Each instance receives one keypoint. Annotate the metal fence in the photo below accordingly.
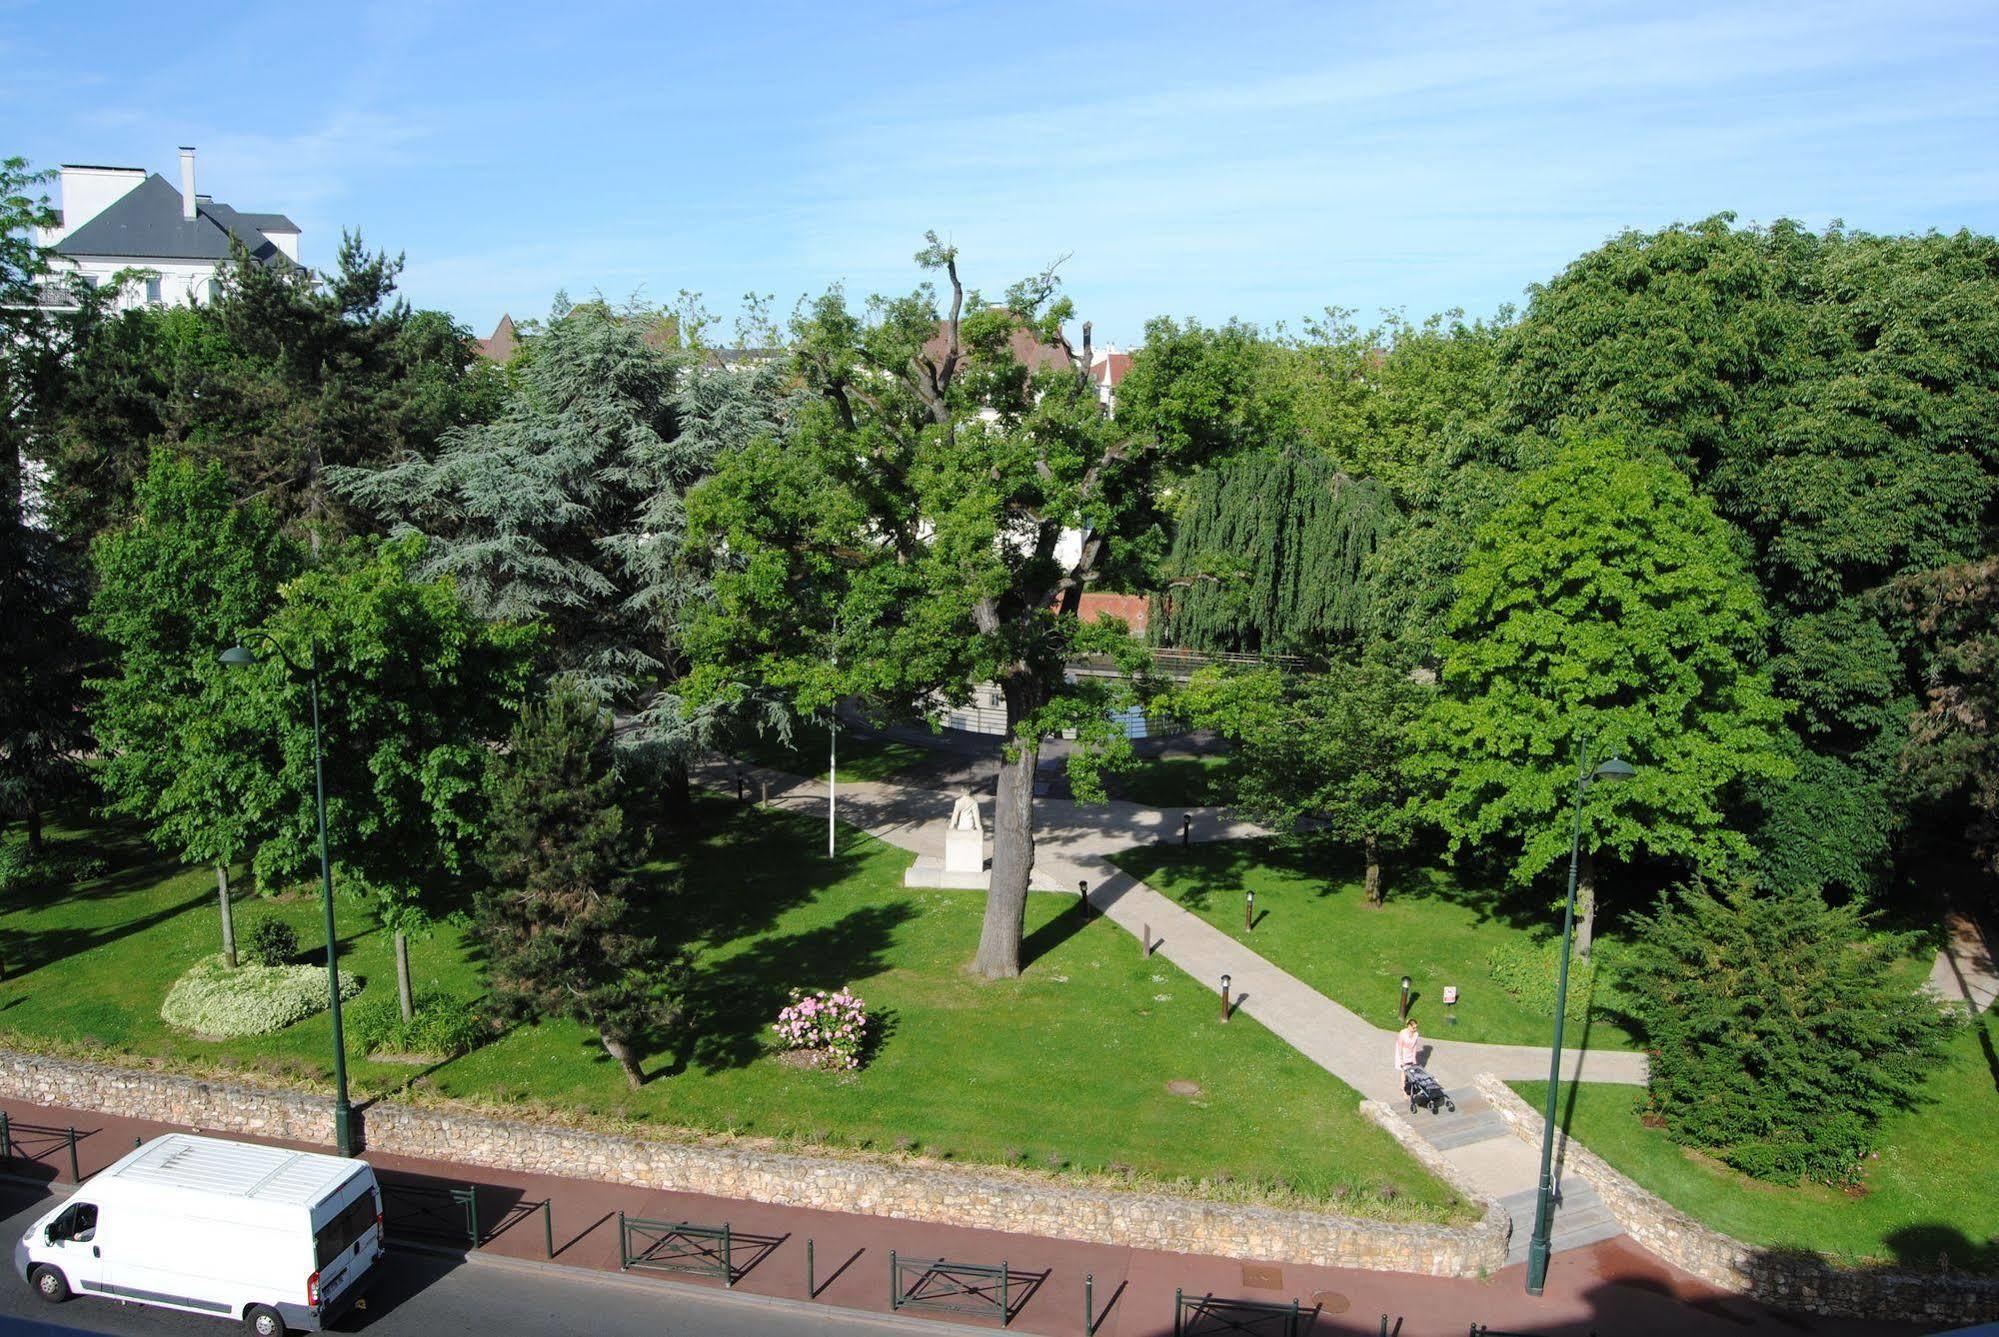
(940, 1285)
(431, 1211)
(677, 1246)
(38, 1144)
(1197, 1314)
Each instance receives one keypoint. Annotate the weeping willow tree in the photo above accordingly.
(1270, 557)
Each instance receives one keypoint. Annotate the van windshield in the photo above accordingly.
(356, 1219)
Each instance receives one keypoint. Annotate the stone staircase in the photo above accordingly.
(1580, 1215)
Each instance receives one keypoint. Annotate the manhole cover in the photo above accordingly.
(1263, 1276)
(1180, 1086)
(1331, 1302)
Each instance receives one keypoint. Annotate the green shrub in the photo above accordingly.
(1529, 971)
(441, 1026)
(271, 942)
(1780, 1033)
(20, 870)
(218, 1003)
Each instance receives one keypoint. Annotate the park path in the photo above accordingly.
(1073, 845)
(1965, 969)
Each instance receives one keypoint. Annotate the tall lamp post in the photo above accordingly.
(1615, 769)
(343, 1134)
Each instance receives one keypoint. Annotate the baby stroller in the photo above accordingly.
(1425, 1090)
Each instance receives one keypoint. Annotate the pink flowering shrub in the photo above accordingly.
(833, 1027)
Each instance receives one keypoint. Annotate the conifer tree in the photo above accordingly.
(558, 925)
(1779, 1030)
(567, 509)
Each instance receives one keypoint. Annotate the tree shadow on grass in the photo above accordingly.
(1207, 874)
(732, 1003)
(739, 869)
(28, 950)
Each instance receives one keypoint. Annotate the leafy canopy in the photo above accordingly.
(1602, 601)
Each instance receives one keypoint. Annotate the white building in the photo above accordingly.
(122, 218)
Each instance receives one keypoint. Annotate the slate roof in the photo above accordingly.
(146, 224)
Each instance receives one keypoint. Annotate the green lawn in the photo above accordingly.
(862, 756)
(1313, 920)
(1066, 1068)
(1930, 1191)
(1177, 782)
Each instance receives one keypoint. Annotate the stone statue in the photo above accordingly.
(965, 838)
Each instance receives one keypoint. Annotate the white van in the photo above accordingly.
(278, 1239)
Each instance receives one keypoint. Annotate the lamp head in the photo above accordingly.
(1406, 981)
(1225, 981)
(1616, 768)
(237, 655)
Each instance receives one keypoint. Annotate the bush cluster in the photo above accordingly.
(833, 1027)
(20, 869)
(271, 942)
(1528, 972)
(440, 1026)
(218, 1003)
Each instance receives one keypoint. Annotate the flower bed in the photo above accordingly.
(218, 1003)
(831, 1028)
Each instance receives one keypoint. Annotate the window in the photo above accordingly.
(213, 290)
(77, 1222)
(356, 1219)
(153, 290)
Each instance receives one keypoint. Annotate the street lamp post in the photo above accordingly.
(1538, 1247)
(343, 1133)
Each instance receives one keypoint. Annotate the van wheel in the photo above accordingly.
(49, 1284)
(264, 1321)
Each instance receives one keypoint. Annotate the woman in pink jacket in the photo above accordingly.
(1408, 1047)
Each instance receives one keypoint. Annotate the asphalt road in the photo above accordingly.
(418, 1295)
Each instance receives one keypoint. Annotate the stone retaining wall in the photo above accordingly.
(910, 1190)
(1788, 1278)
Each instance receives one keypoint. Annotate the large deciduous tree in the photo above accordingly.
(416, 689)
(176, 584)
(560, 930)
(1271, 556)
(1326, 751)
(1603, 602)
(948, 493)
(1835, 395)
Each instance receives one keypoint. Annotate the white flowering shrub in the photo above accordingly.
(218, 1003)
(831, 1027)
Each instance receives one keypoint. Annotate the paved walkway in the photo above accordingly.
(1073, 842)
(1965, 969)
(1610, 1287)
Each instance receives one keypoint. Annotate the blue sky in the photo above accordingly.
(1207, 159)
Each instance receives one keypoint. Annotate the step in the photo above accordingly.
(1462, 1130)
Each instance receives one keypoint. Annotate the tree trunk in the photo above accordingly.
(1372, 846)
(36, 848)
(676, 799)
(228, 915)
(626, 1058)
(1013, 841)
(405, 996)
(1585, 903)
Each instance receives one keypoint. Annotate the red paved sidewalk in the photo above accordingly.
(1609, 1288)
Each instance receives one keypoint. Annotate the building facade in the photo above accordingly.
(172, 241)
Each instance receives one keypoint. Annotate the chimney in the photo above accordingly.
(187, 181)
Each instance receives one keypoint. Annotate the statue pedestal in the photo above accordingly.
(964, 851)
